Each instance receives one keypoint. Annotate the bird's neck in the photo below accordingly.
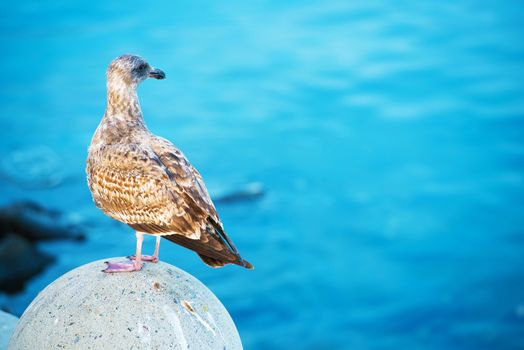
(122, 103)
(123, 118)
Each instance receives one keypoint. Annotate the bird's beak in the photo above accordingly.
(157, 74)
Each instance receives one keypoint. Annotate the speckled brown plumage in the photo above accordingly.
(144, 181)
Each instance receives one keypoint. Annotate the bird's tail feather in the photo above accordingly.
(211, 261)
(219, 263)
(214, 247)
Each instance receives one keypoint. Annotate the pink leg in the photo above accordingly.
(152, 258)
(128, 266)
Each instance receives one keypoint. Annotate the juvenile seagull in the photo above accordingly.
(145, 182)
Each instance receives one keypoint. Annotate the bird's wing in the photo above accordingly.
(214, 246)
(130, 183)
(187, 180)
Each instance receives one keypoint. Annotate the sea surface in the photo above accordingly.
(388, 137)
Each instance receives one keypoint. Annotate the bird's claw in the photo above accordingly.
(122, 266)
(149, 258)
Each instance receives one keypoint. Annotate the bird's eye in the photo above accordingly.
(142, 66)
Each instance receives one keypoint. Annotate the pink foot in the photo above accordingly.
(150, 258)
(122, 266)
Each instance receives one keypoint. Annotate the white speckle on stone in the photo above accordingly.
(87, 308)
(144, 334)
(192, 312)
(214, 324)
(177, 328)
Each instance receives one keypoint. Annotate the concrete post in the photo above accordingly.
(160, 307)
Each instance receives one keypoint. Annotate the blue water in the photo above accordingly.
(389, 137)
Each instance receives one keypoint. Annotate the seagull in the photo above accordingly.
(146, 182)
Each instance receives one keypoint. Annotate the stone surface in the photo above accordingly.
(160, 307)
(7, 325)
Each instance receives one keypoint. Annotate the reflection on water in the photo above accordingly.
(388, 138)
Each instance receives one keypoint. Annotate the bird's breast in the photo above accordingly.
(127, 186)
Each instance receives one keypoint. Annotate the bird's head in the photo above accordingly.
(131, 70)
